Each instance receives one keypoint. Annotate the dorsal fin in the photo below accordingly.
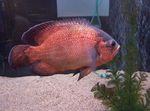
(72, 21)
(31, 36)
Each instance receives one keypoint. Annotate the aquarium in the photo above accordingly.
(74, 55)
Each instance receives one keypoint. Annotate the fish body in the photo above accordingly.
(56, 47)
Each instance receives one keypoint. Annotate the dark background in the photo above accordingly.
(16, 16)
(127, 21)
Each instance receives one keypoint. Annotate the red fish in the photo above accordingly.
(66, 45)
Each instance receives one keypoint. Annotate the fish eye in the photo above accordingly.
(113, 43)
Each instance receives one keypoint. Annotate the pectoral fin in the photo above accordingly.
(92, 65)
(76, 72)
(84, 72)
(94, 59)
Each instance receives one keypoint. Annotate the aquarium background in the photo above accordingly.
(128, 22)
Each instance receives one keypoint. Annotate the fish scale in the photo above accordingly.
(66, 45)
(61, 52)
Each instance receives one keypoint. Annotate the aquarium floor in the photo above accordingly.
(51, 93)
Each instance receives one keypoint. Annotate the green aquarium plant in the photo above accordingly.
(125, 90)
(124, 94)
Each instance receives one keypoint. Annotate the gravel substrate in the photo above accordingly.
(51, 93)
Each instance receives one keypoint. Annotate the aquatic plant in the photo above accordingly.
(124, 94)
(125, 90)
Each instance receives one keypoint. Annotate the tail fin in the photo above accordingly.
(17, 56)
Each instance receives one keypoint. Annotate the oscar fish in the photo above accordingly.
(54, 47)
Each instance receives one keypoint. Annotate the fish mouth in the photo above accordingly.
(116, 50)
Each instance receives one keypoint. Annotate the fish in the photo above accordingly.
(54, 47)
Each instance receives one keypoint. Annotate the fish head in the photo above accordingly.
(107, 47)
